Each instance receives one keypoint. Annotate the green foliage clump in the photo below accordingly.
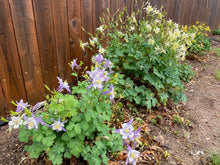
(216, 31)
(147, 54)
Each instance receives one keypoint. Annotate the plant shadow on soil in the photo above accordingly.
(188, 138)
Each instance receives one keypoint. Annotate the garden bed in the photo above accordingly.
(188, 141)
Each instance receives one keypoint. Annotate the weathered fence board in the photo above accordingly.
(59, 10)
(38, 38)
(46, 41)
(10, 70)
(3, 111)
(24, 27)
(74, 26)
(87, 24)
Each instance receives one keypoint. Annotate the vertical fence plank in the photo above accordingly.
(59, 10)
(105, 5)
(96, 13)
(3, 112)
(129, 6)
(216, 21)
(113, 7)
(12, 84)
(171, 9)
(218, 16)
(75, 31)
(185, 12)
(105, 12)
(87, 24)
(46, 41)
(24, 26)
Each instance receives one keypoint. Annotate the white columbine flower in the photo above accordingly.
(95, 39)
(82, 45)
(169, 22)
(101, 50)
(132, 156)
(157, 21)
(176, 25)
(151, 41)
(177, 32)
(148, 27)
(100, 28)
(91, 42)
(132, 28)
(157, 30)
(15, 122)
(148, 8)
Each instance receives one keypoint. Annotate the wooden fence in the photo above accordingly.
(39, 37)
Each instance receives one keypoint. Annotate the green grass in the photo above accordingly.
(217, 74)
(215, 159)
(217, 51)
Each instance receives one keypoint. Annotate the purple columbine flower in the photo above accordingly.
(58, 125)
(21, 106)
(108, 64)
(74, 64)
(132, 155)
(126, 131)
(38, 106)
(32, 122)
(137, 132)
(97, 77)
(99, 58)
(111, 93)
(63, 85)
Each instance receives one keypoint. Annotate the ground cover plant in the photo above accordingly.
(148, 54)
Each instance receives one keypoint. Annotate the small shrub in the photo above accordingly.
(147, 54)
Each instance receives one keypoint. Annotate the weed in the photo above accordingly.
(217, 74)
(215, 158)
(154, 121)
(217, 52)
(178, 120)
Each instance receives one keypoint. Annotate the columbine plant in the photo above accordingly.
(74, 124)
(201, 43)
(148, 55)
